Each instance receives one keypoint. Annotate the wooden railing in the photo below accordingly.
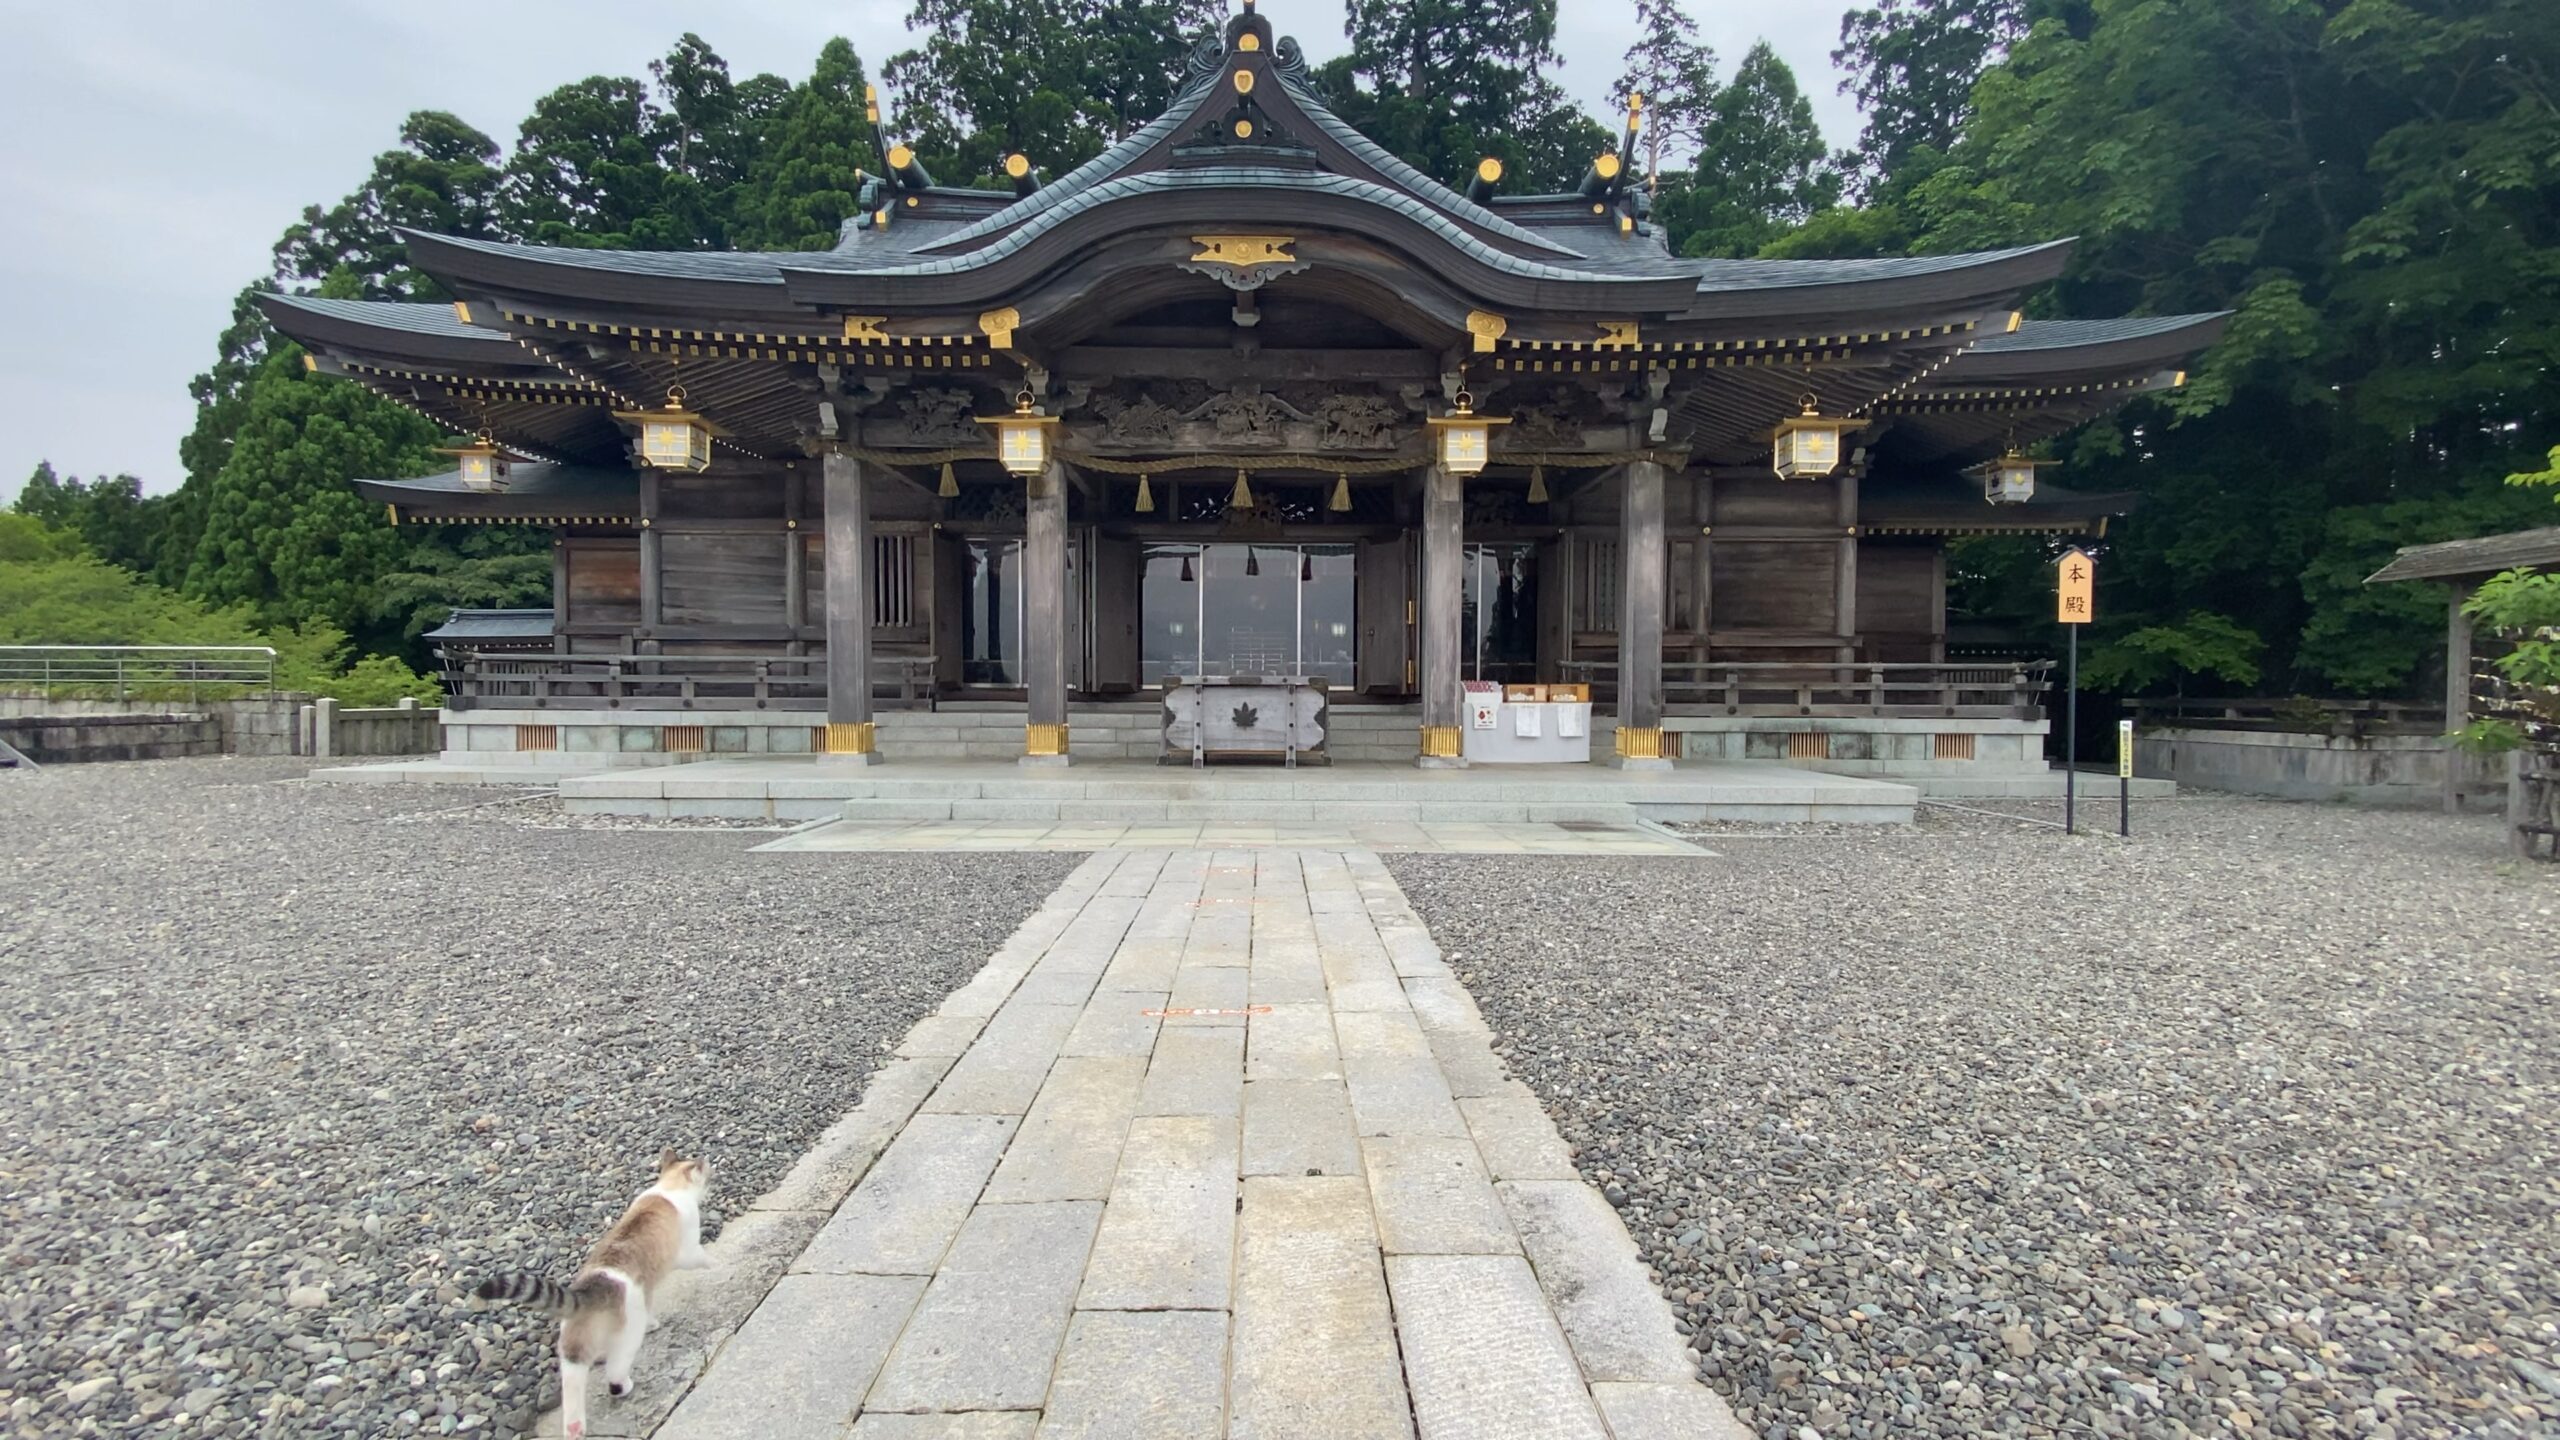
(2296, 714)
(517, 680)
(1986, 691)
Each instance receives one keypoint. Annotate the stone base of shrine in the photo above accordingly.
(1138, 792)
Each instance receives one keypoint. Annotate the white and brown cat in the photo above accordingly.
(604, 1310)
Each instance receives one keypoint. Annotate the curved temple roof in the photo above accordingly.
(1247, 198)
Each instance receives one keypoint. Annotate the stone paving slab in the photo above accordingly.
(1332, 1214)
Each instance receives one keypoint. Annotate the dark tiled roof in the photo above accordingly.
(2488, 555)
(494, 625)
(1569, 267)
(411, 317)
(1082, 178)
(2066, 334)
(1725, 275)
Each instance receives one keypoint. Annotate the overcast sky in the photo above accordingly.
(156, 151)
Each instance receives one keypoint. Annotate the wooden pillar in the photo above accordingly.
(2457, 688)
(795, 562)
(651, 592)
(1845, 570)
(1640, 600)
(1045, 610)
(1444, 557)
(560, 592)
(851, 734)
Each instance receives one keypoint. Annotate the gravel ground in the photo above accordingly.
(2243, 1127)
(289, 1067)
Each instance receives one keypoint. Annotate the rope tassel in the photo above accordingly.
(949, 489)
(1146, 495)
(1341, 501)
(1242, 499)
(1537, 484)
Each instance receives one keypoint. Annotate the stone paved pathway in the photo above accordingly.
(1214, 1146)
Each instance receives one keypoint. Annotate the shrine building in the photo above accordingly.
(1244, 396)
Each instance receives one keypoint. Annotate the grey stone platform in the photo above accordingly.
(1215, 1145)
(1128, 792)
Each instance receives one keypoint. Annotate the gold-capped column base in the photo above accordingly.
(859, 739)
(1441, 742)
(1640, 743)
(1044, 739)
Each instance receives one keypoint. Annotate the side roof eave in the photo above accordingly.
(2462, 559)
(394, 329)
(2056, 347)
(1761, 289)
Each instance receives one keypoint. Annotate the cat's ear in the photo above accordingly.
(667, 1159)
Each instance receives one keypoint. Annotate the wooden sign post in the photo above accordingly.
(2076, 592)
(2124, 777)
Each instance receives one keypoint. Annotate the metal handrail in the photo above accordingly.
(127, 668)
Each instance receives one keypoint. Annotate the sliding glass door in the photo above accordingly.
(1247, 609)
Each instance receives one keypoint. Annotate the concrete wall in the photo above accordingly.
(273, 724)
(79, 739)
(2391, 770)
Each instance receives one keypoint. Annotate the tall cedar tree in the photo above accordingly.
(808, 178)
(1912, 64)
(1444, 82)
(1057, 80)
(443, 178)
(1762, 168)
(1675, 72)
(110, 516)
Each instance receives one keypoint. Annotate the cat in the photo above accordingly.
(604, 1309)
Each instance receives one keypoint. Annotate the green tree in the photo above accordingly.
(1762, 168)
(110, 516)
(284, 534)
(1675, 72)
(1444, 82)
(2374, 188)
(1912, 64)
(1055, 79)
(808, 176)
(442, 178)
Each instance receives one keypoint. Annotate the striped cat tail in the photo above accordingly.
(533, 1290)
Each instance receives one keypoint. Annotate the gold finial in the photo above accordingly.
(1017, 165)
(871, 103)
(1606, 164)
(1244, 82)
(1489, 169)
(901, 156)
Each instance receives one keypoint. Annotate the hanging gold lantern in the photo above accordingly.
(949, 489)
(673, 438)
(1022, 438)
(1242, 499)
(1538, 485)
(1340, 504)
(2009, 480)
(1465, 437)
(1146, 495)
(1807, 447)
(484, 465)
